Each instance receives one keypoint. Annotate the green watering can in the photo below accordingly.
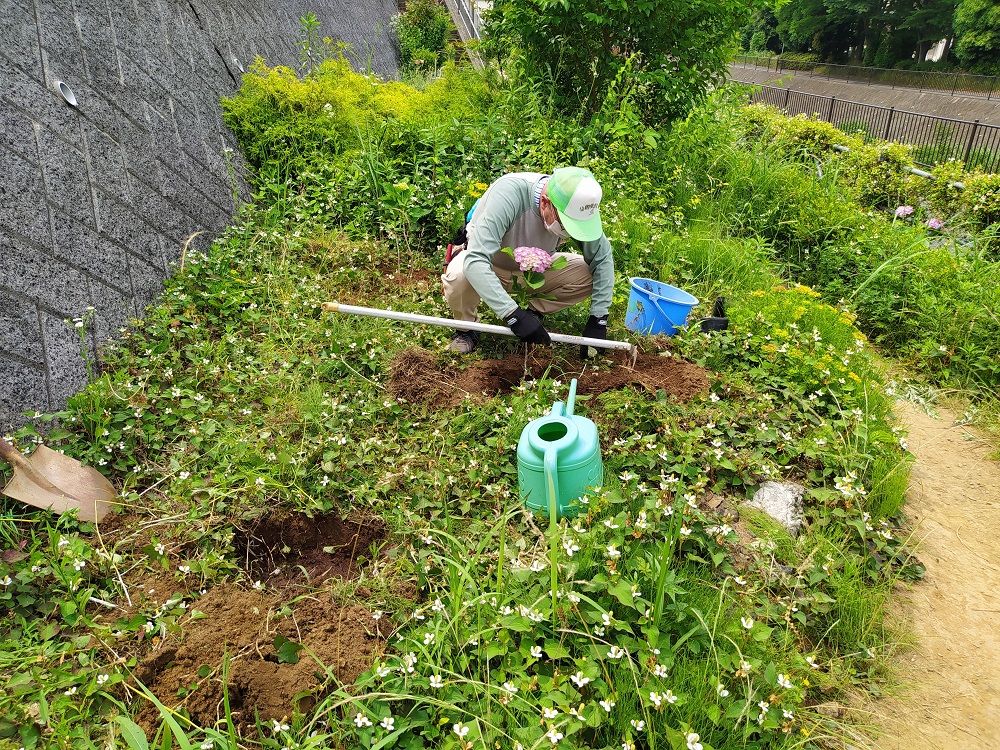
(559, 460)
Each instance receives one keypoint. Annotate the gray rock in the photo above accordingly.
(783, 502)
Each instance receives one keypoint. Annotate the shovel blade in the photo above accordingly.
(58, 483)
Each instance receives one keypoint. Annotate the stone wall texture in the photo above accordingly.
(98, 199)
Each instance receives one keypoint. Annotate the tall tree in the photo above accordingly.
(977, 35)
(670, 49)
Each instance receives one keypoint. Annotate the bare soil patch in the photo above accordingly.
(950, 697)
(417, 376)
(293, 556)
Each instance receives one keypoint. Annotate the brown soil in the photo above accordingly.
(417, 376)
(951, 678)
(284, 550)
(292, 555)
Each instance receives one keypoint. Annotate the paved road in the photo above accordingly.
(911, 100)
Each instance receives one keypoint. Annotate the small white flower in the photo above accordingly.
(79, 564)
(811, 661)
(387, 723)
(258, 586)
(554, 736)
(102, 679)
(692, 741)
(579, 680)
(721, 690)
(509, 687)
(656, 699)
(461, 730)
(784, 682)
(436, 681)
(616, 653)
(747, 622)
(207, 745)
(549, 713)
(438, 606)
(70, 691)
(669, 697)
(638, 724)
(277, 726)
(160, 548)
(383, 670)
(6, 581)
(607, 705)
(739, 580)
(660, 670)
(536, 652)
(185, 569)
(570, 546)
(613, 552)
(745, 666)
(428, 639)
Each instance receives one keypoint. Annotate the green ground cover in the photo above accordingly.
(666, 618)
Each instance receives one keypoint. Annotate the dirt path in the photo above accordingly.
(951, 696)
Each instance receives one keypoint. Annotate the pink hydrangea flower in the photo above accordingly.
(903, 211)
(934, 223)
(532, 259)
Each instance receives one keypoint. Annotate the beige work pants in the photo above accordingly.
(570, 284)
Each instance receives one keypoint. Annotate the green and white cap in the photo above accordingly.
(577, 198)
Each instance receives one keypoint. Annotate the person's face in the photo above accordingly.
(548, 211)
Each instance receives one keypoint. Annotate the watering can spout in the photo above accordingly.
(571, 399)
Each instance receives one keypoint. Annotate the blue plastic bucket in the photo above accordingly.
(657, 309)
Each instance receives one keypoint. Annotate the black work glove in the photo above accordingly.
(596, 328)
(527, 327)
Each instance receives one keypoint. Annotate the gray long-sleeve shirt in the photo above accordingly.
(506, 216)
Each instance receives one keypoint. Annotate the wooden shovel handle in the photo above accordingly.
(13, 456)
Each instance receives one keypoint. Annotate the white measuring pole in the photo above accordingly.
(467, 325)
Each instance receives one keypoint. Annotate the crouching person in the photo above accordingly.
(527, 209)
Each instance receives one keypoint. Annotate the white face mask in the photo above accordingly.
(557, 229)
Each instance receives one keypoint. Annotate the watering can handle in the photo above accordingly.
(551, 481)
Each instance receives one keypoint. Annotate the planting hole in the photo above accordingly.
(287, 550)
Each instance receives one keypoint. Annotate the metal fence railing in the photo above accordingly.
(935, 139)
(471, 12)
(965, 84)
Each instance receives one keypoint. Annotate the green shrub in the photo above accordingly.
(422, 32)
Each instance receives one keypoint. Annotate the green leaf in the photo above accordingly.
(555, 650)
(132, 733)
(288, 651)
(622, 591)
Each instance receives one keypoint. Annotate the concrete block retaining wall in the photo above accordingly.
(98, 199)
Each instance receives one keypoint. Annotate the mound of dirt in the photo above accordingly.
(187, 674)
(417, 377)
(292, 556)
